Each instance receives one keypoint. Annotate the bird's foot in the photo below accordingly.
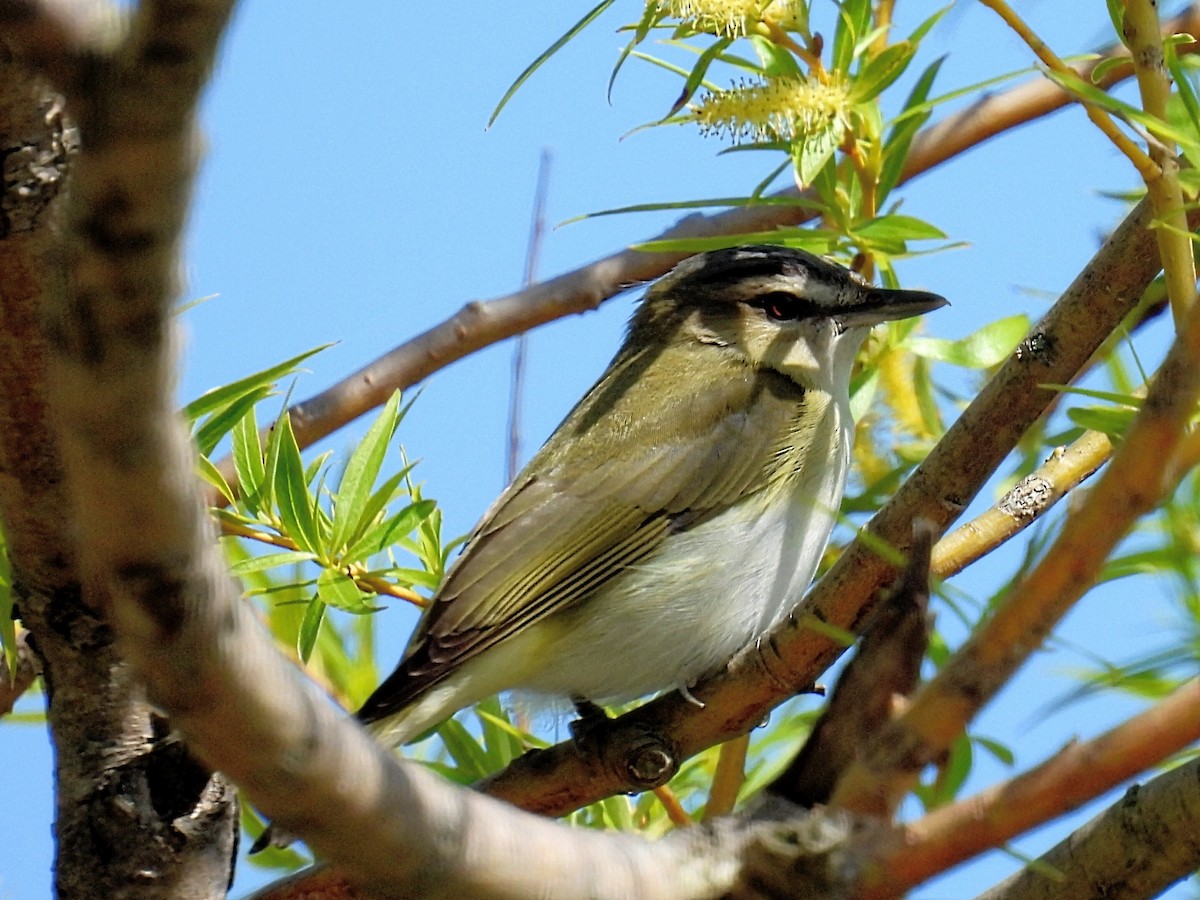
(589, 728)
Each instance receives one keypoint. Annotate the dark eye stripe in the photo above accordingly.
(782, 306)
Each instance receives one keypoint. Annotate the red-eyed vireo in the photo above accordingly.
(677, 513)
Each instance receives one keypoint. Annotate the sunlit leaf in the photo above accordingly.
(986, 347)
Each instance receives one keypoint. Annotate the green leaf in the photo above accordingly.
(1100, 72)
(812, 151)
(1091, 94)
(371, 510)
(468, 756)
(8, 625)
(222, 396)
(1116, 14)
(337, 589)
(253, 564)
(1185, 92)
(1130, 400)
(221, 422)
(213, 476)
(650, 16)
(854, 20)
(775, 61)
(881, 72)
(248, 460)
(389, 531)
(358, 478)
(899, 140)
(575, 29)
(291, 491)
(1001, 752)
(988, 346)
(309, 629)
(754, 200)
(696, 77)
(896, 228)
(814, 240)
(1113, 421)
(927, 25)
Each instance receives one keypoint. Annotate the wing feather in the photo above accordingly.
(603, 493)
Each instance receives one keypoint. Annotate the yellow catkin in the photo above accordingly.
(732, 18)
(778, 110)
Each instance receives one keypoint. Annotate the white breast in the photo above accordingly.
(708, 593)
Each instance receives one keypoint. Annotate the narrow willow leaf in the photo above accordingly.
(1001, 752)
(1110, 420)
(898, 228)
(248, 460)
(722, 202)
(309, 629)
(881, 72)
(899, 140)
(988, 346)
(468, 756)
(385, 494)
(291, 491)
(358, 478)
(1130, 400)
(1098, 98)
(337, 589)
(695, 77)
(8, 625)
(813, 151)
(221, 422)
(775, 61)
(253, 564)
(583, 23)
(213, 476)
(650, 17)
(222, 396)
(814, 240)
(390, 530)
(854, 19)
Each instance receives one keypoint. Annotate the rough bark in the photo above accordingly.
(136, 816)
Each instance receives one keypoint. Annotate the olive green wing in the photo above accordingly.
(575, 517)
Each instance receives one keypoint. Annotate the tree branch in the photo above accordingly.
(1028, 500)
(1137, 848)
(1076, 774)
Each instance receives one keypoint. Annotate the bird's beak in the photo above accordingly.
(875, 305)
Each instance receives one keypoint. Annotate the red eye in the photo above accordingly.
(782, 306)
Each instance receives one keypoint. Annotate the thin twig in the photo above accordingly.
(1145, 42)
(1145, 166)
(537, 230)
(1034, 495)
(728, 778)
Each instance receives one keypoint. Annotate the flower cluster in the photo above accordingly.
(731, 18)
(783, 109)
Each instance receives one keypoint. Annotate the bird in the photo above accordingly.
(677, 513)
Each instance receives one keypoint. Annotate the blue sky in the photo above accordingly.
(351, 193)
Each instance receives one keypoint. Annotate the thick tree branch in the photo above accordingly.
(480, 324)
(136, 814)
